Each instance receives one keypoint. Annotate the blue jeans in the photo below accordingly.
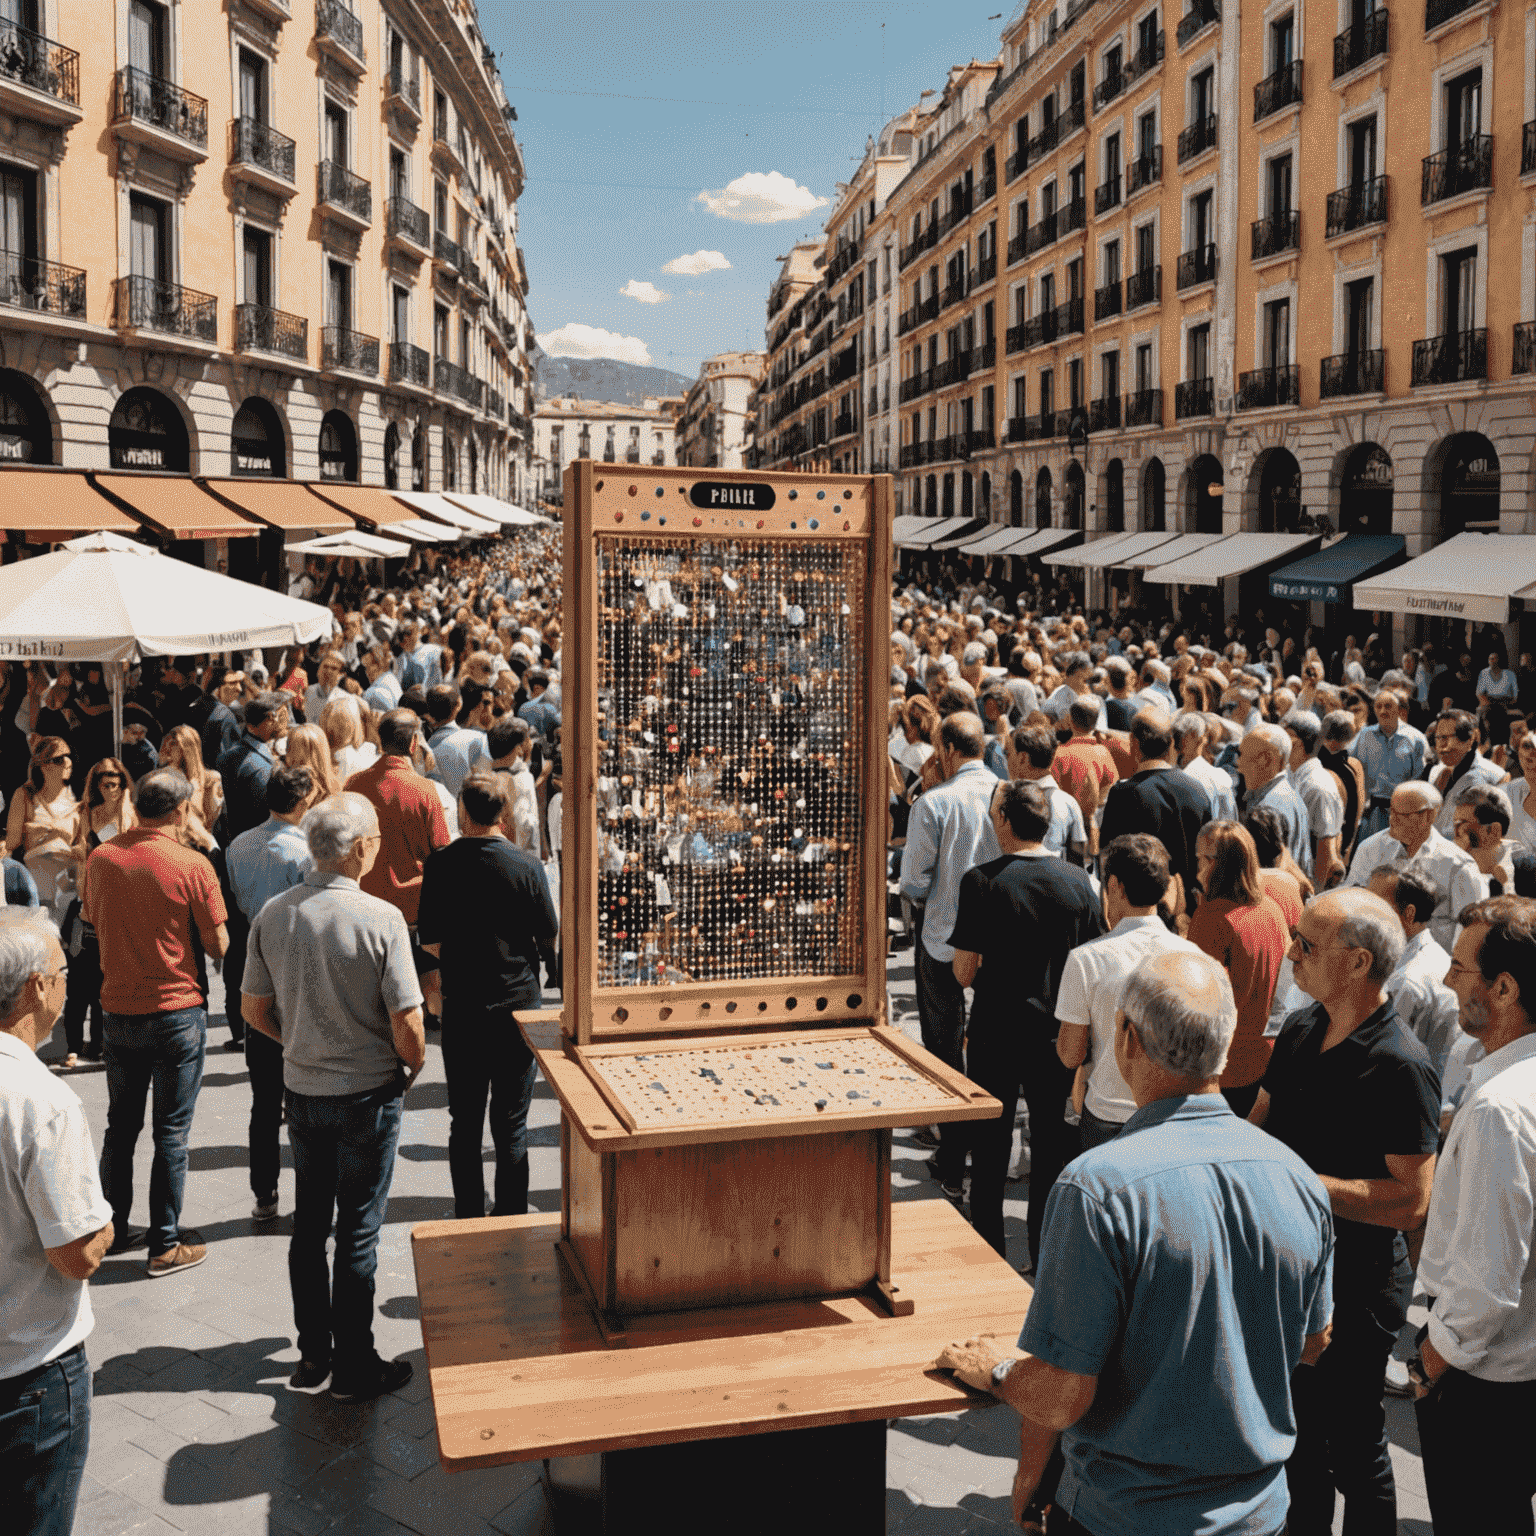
(343, 1160)
(163, 1051)
(45, 1431)
(484, 1053)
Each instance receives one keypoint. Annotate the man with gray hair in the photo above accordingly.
(1353, 1093)
(1192, 741)
(1261, 760)
(1323, 798)
(1190, 1226)
(329, 974)
(1417, 984)
(1156, 691)
(55, 1229)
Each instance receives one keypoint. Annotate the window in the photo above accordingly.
(440, 208)
(1112, 63)
(988, 321)
(400, 313)
(1075, 183)
(1278, 184)
(1146, 135)
(440, 331)
(1359, 303)
(1458, 296)
(1047, 200)
(256, 247)
(1463, 108)
(1047, 392)
(988, 417)
(148, 252)
(1146, 247)
(399, 176)
(1112, 159)
(253, 86)
(1078, 82)
(1200, 225)
(1020, 397)
(1362, 151)
(1277, 334)
(1075, 382)
(146, 37)
(1199, 352)
(464, 347)
(338, 294)
(1282, 43)
(439, 116)
(335, 146)
(1047, 292)
(1146, 36)
(1075, 278)
(1202, 95)
(1109, 375)
(1143, 367)
(18, 216)
(1111, 263)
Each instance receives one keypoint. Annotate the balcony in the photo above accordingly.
(1202, 14)
(1107, 301)
(1013, 166)
(955, 369)
(144, 303)
(954, 293)
(1357, 207)
(1196, 267)
(959, 211)
(1355, 45)
(1528, 148)
(348, 351)
(1144, 287)
(1016, 428)
(983, 272)
(1106, 196)
(1104, 415)
(1144, 408)
(1074, 215)
(983, 440)
(406, 224)
(1145, 60)
(988, 190)
(409, 365)
(260, 329)
(906, 320)
(153, 112)
(1113, 83)
(1197, 138)
(1523, 357)
(1282, 89)
(845, 425)
(1194, 397)
(1045, 141)
(496, 407)
(262, 156)
(449, 379)
(1145, 171)
(44, 287)
(926, 311)
(1438, 12)
(1069, 317)
(1352, 373)
(1018, 247)
(1073, 116)
(1451, 359)
(339, 32)
(1040, 235)
(1266, 388)
(986, 353)
(1464, 167)
(346, 197)
(911, 388)
(470, 271)
(39, 78)
(1276, 234)
(1042, 426)
(402, 93)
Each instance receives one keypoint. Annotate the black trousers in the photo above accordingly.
(1479, 1470)
(264, 1062)
(239, 930)
(485, 1056)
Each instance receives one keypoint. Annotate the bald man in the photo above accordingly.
(1352, 1092)
(1191, 1226)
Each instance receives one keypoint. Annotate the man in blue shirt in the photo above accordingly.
(384, 690)
(246, 766)
(457, 749)
(1186, 1271)
(539, 711)
(1261, 760)
(261, 863)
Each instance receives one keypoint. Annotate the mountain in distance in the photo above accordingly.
(605, 378)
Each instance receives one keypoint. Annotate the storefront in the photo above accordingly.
(1326, 582)
(1238, 565)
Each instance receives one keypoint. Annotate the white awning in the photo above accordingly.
(903, 527)
(993, 541)
(1472, 576)
(1039, 540)
(498, 511)
(1092, 556)
(1232, 556)
(1124, 552)
(438, 506)
(422, 530)
(935, 530)
(1176, 548)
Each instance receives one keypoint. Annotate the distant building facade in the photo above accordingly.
(717, 426)
(567, 428)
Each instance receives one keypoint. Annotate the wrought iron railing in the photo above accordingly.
(1069, 317)
(31, 59)
(1528, 148)
(403, 218)
(1464, 167)
(1107, 300)
(1144, 408)
(1199, 16)
(1013, 166)
(1279, 90)
(1194, 397)
(1352, 373)
(1074, 215)
(146, 98)
(1109, 87)
(1144, 287)
(1104, 415)
(259, 328)
(148, 303)
(409, 364)
(342, 189)
(1197, 266)
(1276, 232)
(446, 250)
(1523, 357)
(341, 24)
(1439, 11)
(449, 379)
(1354, 45)
(44, 286)
(1041, 235)
(1144, 170)
(1356, 206)
(1451, 359)
(1264, 387)
(351, 350)
(1106, 195)
(406, 87)
(252, 142)
(1197, 138)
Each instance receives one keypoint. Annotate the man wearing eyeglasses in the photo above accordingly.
(1353, 1093)
(1411, 835)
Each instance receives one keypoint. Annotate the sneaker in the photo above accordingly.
(234, 1045)
(265, 1210)
(174, 1260)
(383, 1376)
(129, 1239)
(309, 1373)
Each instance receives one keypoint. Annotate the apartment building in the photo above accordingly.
(262, 237)
(566, 428)
(717, 425)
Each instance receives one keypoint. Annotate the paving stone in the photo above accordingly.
(528, 1515)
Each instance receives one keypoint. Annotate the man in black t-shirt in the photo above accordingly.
(1018, 917)
(486, 913)
(1350, 1089)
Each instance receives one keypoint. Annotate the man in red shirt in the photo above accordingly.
(1083, 765)
(154, 903)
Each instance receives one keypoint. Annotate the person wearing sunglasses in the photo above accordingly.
(1353, 1093)
(42, 828)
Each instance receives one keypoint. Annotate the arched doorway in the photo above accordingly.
(966, 494)
(931, 499)
(338, 447)
(1072, 496)
(1114, 496)
(1365, 490)
(1154, 497)
(1279, 492)
(392, 457)
(256, 444)
(418, 460)
(985, 509)
(474, 467)
(1016, 499)
(1202, 509)
(1469, 486)
(26, 434)
(947, 500)
(1043, 498)
(146, 431)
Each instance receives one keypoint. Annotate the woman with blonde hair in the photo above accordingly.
(182, 749)
(309, 748)
(43, 824)
(341, 721)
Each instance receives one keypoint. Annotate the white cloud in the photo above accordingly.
(761, 198)
(647, 293)
(590, 341)
(698, 263)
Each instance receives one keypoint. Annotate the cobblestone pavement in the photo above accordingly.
(195, 1429)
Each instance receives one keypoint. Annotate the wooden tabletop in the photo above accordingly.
(519, 1371)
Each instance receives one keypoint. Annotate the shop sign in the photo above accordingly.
(734, 495)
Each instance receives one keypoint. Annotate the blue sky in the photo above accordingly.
(787, 91)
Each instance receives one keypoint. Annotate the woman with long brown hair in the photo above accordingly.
(182, 749)
(42, 826)
(1238, 926)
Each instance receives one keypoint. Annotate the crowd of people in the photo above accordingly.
(1251, 930)
(1246, 925)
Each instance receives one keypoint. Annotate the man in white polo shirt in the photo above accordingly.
(55, 1229)
(1136, 876)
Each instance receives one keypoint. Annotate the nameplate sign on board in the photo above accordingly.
(746, 496)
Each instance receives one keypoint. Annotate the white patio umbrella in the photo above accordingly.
(357, 546)
(104, 598)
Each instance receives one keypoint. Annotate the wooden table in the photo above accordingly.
(794, 1395)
